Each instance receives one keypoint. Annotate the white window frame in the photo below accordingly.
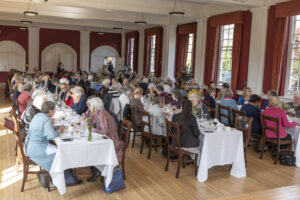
(152, 53)
(190, 51)
(131, 52)
(219, 83)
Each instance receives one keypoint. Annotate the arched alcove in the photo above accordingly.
(59, 52)
(12, 56)
(98, 58)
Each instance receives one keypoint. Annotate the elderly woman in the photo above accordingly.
(79, 100)
(24, 97)
(275, 110)
(199, 108)
(270, 94)
(105, 124)
(40, 132)
(212, 84)
(34, 107)
(158, 121)
(168, 83)
(295, 105)
(136, 103)
(124, 99)
(227, 100)
(245, 98)
(65, 95)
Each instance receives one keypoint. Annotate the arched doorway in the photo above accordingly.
(59, 52)
(12, 56)
(101, 55)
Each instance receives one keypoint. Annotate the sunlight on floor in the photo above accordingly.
(5, 132)
(3, 110)
(10, 176)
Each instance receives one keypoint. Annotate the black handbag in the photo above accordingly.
(287, 160)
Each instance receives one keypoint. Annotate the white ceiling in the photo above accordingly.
(105, 14)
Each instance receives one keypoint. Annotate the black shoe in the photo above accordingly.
(96, 173)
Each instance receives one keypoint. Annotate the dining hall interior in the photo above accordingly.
(149, 99)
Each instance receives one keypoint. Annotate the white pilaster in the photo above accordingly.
(200, 50)
(141, 52)
(168, 56)
(257, 49)
(123, 51)
(33, 48)
(84, 50)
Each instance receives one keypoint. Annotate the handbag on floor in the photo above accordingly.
(287, 160)
(9, 124)
(117, 182)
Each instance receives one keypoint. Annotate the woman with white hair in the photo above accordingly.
(199, 108)
(64, 80)
(79, 100)
(105, 125)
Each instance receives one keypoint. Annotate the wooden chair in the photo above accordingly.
(125, 134)
(173, 133)
(154, 140)
(136, 130)
(27, 162)
(207, 103)
(227, 116)
(235, 113)
(213, 112)
(245, 126)
(274, 141)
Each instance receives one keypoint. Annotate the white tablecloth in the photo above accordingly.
(222, 148)
(81, 153)
(294, 132)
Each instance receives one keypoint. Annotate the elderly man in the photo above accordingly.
(296, 104)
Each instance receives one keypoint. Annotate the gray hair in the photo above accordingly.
(159, 100)
(272, 93)
(27, 87)
(90, 77)
(95, 103)
(77, 90)
(64, 80)
(47, 106)
(194, 96)
(38, 101)
(106, 81)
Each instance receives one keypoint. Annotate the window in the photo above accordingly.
(294, 68)
(152, 53)
(225, 62)
(189, 57)
(131, 52)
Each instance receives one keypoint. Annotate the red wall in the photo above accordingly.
(68, 37)
(113, 40)
(13, 33)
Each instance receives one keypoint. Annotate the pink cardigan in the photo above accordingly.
(283, 122)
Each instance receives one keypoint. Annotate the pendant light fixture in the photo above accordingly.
(140, 20)
(26, 22)
(176, 11)
(30, 13)
(23, 28)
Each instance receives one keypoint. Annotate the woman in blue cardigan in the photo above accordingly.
(79, 103)
(228, 101)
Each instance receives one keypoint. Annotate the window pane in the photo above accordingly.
(225, 62)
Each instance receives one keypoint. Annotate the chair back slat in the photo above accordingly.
(173, 133)
(245, 128)
(17, 131)
(125, 132)
(132, 113)
(146, 122)
(226, 108)
(237, 112)
(265, 127)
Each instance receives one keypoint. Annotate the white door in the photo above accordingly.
(98, 58)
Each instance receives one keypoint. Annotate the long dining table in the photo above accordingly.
(74, 150)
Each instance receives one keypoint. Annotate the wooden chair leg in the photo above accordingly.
(183, 161)
(245, 154)
(133, 140)
(168, 160)
(179, 165)
(277, 154)
(150, 147)
(142, 146)
(25, 174)
(123, 168)
(262, 147)
(48, 182)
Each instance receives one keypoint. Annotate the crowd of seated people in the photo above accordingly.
(110, 96)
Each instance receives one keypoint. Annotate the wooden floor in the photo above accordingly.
(146, 179)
